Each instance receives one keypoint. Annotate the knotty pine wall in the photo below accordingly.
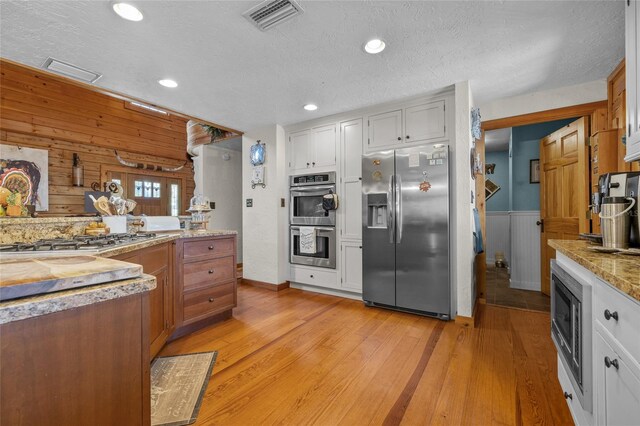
(39, 110)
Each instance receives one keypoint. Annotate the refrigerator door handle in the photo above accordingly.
(398, 184)
(391, 223)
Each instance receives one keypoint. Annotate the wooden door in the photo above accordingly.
(385, 130)
(425, 122)
(150, 192)
(564, 190)
(324, 146)
(481, 259)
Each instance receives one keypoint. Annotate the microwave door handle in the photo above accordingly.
(391, 224)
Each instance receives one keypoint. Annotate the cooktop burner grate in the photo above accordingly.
(79, 242)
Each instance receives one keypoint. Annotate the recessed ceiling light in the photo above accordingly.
(127, 11)
(168, 83)
(310, 107)
(374, 46)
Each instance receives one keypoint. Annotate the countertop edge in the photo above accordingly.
(36, 306)
(616, 281)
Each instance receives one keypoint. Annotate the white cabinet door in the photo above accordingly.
(632, 45)
(351, 133)
(300, 152)
(424, 122)
(351, 266)
(617, 389)
(385, 129)
(324, 146)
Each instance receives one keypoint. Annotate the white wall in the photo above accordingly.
(265, 233)
(592, 91)
(498, 236)
(462, 251)
(222, 183)
(525, 250)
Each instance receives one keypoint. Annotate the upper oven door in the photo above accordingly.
(306, 206)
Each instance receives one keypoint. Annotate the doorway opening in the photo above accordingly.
(514, 216)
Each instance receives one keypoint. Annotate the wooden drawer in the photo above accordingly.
(206, 301)
(208, 248)
(207, 272)
(625, 330)
(315, 276)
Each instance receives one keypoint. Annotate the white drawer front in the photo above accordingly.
(626, 329)
(573, 402)
(314, 276)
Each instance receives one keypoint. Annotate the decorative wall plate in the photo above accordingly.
(256, 154)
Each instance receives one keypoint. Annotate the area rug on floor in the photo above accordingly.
(177, 387)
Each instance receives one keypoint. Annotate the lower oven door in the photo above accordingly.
(325, 255)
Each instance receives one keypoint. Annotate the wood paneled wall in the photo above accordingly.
(40, 110)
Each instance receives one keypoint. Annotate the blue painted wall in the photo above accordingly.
(525, 146)
(500, 200)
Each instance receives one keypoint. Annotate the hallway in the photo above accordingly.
(499, 293)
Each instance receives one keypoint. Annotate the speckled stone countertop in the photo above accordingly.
(621, 271)
(163, 238)
(29, 307)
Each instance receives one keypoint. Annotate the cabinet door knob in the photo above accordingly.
(407, 136)
(399, 138)
(608, 315)
(210, 247)
(608, 362)
(211, 299)
(307, 164)
(567, 395)
(313, 164)
(211, 271)
(310, 276)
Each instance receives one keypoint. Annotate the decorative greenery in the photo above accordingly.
(214, 132)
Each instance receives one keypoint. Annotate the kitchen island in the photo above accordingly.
(71, 356)
(607, 351)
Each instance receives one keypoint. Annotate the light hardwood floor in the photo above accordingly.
(297, 358)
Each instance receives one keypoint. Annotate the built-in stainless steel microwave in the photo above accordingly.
(306, 199)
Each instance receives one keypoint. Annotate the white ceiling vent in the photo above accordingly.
(271, 13)
(69, 70)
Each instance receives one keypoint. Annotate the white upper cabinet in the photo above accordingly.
(385, 129)
(424, 122)
(632, 57)
(413, 125)
(351, 134)
(313, 148)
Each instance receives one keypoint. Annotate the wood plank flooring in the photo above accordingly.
(298, 358)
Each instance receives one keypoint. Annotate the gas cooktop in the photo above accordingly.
(84, 243)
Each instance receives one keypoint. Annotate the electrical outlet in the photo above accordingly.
(249, 202)
(281, 202)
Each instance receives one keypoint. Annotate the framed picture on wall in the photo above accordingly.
(534, 171)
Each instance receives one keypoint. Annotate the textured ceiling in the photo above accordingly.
(231, 73)
(497, 140)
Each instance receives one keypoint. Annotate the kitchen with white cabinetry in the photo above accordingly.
(611, 344)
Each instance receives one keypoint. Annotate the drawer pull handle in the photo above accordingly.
(609, 362)
(210, 247)
(311, 276)
(608, 315)
(567, 395)
(211, 271)
(211, 299)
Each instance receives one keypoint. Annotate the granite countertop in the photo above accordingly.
(621, 271)
(163, 238)
(29, 307)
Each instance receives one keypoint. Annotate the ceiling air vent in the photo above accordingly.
(271, 13)
(69, 70)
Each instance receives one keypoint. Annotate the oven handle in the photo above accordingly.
(313, 190)
(319, 230)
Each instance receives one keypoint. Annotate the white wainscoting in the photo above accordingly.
(498, 236)
(525, 250)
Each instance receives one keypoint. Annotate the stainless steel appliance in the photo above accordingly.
(306, 199)
(405, 235)
(571, 330)
(325, 255)
(621, 185)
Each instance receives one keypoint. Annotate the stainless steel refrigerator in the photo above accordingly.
(405, 236)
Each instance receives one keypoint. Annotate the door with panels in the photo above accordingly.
(299, 143)
(351, 138)
(385, 130)
(425, 122)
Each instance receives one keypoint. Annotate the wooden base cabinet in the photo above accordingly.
(205, 281)
(157, 261)
(88, 365)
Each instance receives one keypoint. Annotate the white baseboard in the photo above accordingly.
(331, 292)
(525, 285)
